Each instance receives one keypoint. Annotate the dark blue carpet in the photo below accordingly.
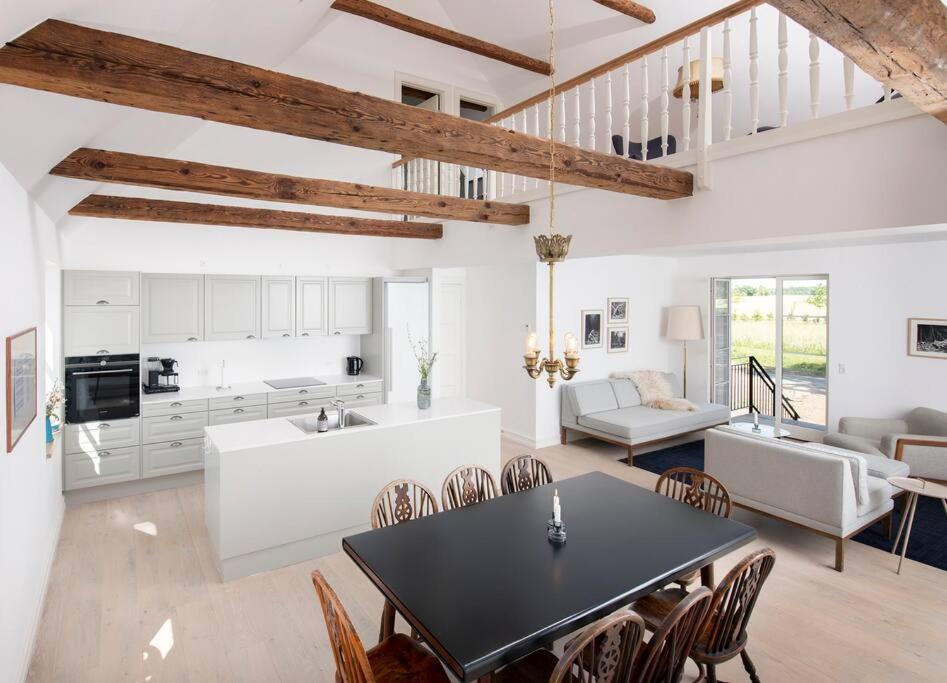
(928, 537)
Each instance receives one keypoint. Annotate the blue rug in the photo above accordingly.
(928, 537)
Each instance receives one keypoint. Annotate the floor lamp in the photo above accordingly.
(684, 325)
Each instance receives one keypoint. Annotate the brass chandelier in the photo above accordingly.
(552, 249)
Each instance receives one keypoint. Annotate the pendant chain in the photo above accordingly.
(551, 109)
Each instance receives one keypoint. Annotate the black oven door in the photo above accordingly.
(102, 388)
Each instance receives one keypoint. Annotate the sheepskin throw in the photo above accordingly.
(655, 390)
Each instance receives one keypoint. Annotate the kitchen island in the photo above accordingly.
(276, 495)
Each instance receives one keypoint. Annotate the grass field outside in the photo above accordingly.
(753, 333)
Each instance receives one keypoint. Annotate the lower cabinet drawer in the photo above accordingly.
(296, 408)
(184, 455)
(362, 400)
(368, 387)
(106, 434)
(173, 406)
(231, 415)
(173, 427)
(300, 394)
(242, 400)
(95, 468)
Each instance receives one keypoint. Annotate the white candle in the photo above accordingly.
(571, 344)
(556, 510)
(756, 420)
(531, 346)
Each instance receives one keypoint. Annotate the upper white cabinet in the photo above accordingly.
(172, 307)
(350, 305)
(279, 306)
(100, 330)
(311, 297)
(231, 307)
(100, 288)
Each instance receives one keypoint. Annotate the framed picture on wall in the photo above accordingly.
(21, 384)
(617, 311)
(592, 329)
(927, 337)
(617, 339)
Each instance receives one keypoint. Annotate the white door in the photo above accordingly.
(449, 369)
(311, 298)
(172, 308)
(350, 305)
(100, 330)
(407, 310)
(100, 288)
(231, 307)
(279, 307)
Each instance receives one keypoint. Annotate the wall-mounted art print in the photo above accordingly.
(927, 337)
(617, 339)
(21, 384)
(592, 329)
(617, 311)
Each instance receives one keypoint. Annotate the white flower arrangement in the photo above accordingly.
(423, 354)
(55, 398)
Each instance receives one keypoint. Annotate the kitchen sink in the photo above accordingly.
(310, 425)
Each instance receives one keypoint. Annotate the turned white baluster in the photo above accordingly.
(409, 166)
(537, 133)
(727, 77)
(705, 127)
(754, 75)
(686, 98)
(577, 125)
(665, 101)
(523, 179)
(626, 127)
(562, 117)
(608, 111)
(814, 74)
(783, 72)
(644, 108)
(592, 114)
(848, 70)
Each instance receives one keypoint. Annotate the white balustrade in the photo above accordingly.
(665, 86)
(592, 114)
(562, 117)
(783, 80)
(644, 108)
(814, 74)
(626, 127)
(848, 72)
(727, 78)
(754, 75)
(577, 126)
(537, 133)
(608, 111)
(686, 98)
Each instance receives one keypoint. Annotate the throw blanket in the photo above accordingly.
(655, 390)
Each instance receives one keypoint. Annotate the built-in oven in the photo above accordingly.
(102, 387)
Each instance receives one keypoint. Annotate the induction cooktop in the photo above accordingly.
(293, 382)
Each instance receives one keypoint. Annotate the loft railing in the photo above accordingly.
(753, 389)
(756, 70)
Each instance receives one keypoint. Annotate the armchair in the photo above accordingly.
(920, 440)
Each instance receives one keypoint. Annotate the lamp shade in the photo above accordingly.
(684, 323)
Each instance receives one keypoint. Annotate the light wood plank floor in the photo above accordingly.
(134, 597)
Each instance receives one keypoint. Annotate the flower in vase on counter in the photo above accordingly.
(426, 361)
(54, 400)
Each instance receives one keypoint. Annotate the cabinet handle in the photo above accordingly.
(286, 334)
(359, 386)
(304, 403)
(360, 396)
(304, 334)
(105, 425)
(336, 332)
(175, 418)
(237, 411)
(175, 444)
(176, 404)
(102, 352)
(105, 454)
(303, 391)
(192, 338)
(250, 336)
(100, 302)
(238, 398)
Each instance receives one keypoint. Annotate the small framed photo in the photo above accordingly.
(618, 311)
(592, 329)
(617, 339)
(927, 337)
(21, 384)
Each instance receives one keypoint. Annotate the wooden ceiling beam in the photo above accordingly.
(163, 211)
(73, 60)
(188, 176)
(402, 22)
(902, 43)
(632, 9)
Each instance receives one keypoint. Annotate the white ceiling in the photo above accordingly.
(303, 37)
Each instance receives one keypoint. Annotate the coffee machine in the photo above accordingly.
(161, 376)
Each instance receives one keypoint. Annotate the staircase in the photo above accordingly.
(752, 388)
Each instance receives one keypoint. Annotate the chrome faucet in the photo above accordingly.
(339, 406)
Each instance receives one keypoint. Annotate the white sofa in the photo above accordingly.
(611, 410)
(832, 491)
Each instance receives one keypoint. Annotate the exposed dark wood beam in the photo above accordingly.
(389, 17)
(632, 9)
(188, 176)
(72, 60)
(163, 211)
(902, 43)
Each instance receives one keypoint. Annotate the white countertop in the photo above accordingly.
(260, 433)
(243, 388)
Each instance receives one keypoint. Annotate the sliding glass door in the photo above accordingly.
(770, 337)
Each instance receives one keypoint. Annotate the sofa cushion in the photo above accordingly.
(592, 397)
(879, 493)
(625, 393)
(854, 443)
(883, 467)
(927, 421)
(857, 463)
(638, 422)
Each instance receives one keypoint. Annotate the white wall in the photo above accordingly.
(31, 503)
(873, 290)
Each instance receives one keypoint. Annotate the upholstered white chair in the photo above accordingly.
(920, 440)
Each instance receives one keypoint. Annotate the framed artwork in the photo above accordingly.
(21, 384)
(618, 311)
(617, 339)
(927, 337)
(592, 329)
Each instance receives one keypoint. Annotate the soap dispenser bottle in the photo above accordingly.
(322, 421)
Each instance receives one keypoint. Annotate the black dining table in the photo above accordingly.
(484, 586)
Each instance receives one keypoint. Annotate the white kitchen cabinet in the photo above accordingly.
(231, 415)
(95, 468)
(297, 408)
(362, 400)
(231, 307)
(311, 305)
(90, 437)
(173, 427)
(279, 307)
(100, 330)
(185, 455)
(99, 288)
(172, 308)
(350, 305)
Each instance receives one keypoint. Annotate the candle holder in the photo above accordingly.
(556, 532)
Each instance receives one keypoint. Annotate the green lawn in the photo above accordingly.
(804, 344)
